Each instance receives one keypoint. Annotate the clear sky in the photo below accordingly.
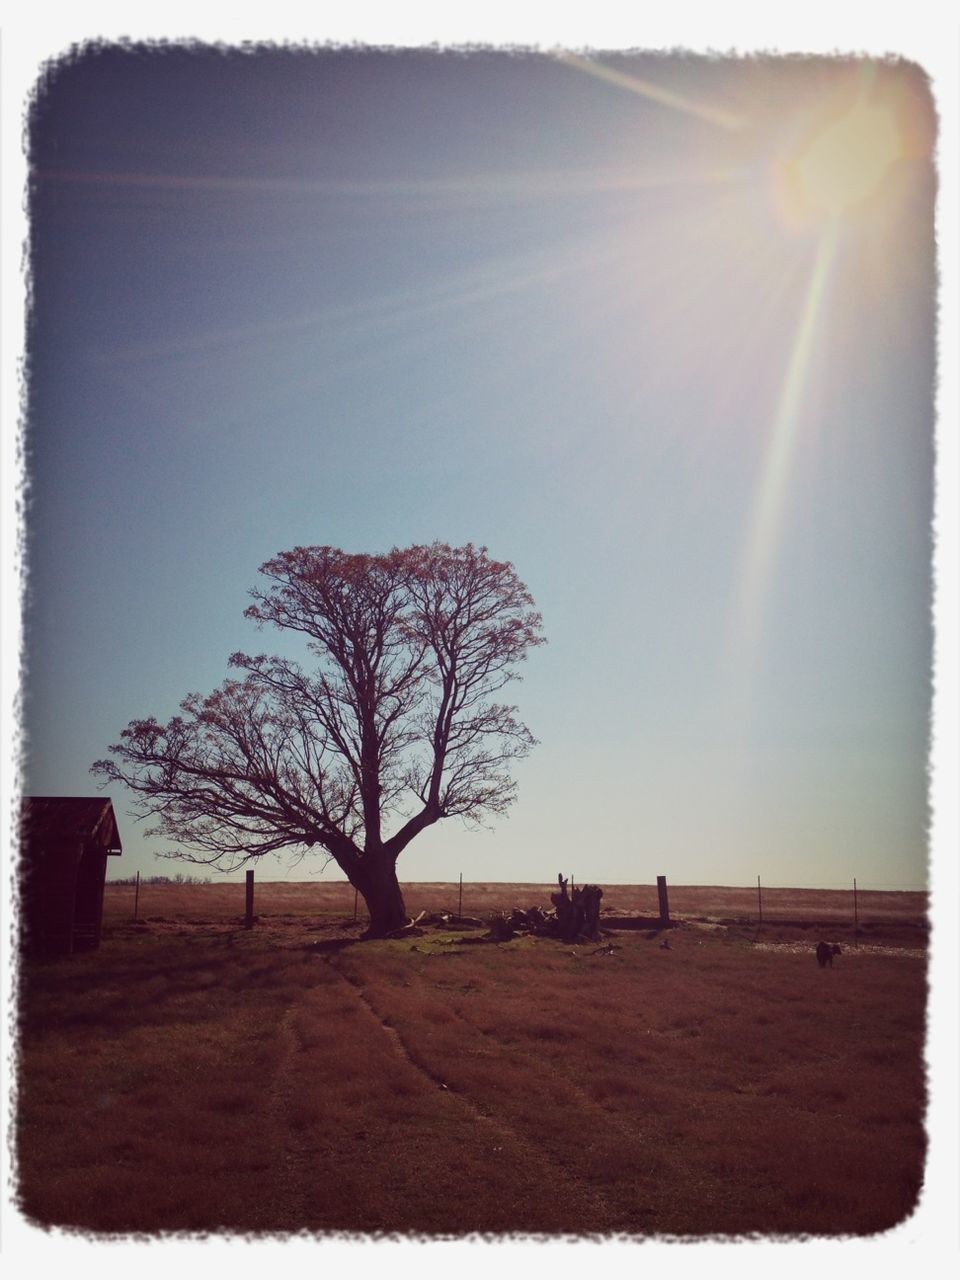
(657, 329)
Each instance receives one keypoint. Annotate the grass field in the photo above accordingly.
(192, 1075)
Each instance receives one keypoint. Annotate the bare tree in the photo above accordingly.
(394, 728)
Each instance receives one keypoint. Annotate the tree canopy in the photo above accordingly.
(394, 726)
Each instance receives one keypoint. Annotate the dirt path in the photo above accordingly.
(623, 1212)
(294, 1171)
(572, 1199)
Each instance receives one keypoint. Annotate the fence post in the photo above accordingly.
(136, 899)
(759, 901)
(856, 920)
(460, 903)
(662, 896)
(248, 922)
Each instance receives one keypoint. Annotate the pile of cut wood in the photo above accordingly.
(573, 917)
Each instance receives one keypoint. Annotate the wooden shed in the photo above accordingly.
(64, 845)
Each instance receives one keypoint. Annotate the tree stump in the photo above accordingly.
(578, 915)
(564, 909)
(590, 896)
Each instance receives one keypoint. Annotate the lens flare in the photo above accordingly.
(771, 493)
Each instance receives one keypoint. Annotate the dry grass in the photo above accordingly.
(206, 1078)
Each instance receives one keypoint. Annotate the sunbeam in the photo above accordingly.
(655, 92)
(770, 501)
(466, 190)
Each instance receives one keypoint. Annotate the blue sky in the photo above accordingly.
(661, 337)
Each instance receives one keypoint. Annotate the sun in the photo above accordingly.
(834, 171)
(848, 159)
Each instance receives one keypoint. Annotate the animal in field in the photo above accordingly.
(825, 953)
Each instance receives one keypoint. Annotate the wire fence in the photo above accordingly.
(854, 905)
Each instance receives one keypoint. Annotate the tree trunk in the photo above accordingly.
(381, 892)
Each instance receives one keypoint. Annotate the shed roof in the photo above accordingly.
(70, 818)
